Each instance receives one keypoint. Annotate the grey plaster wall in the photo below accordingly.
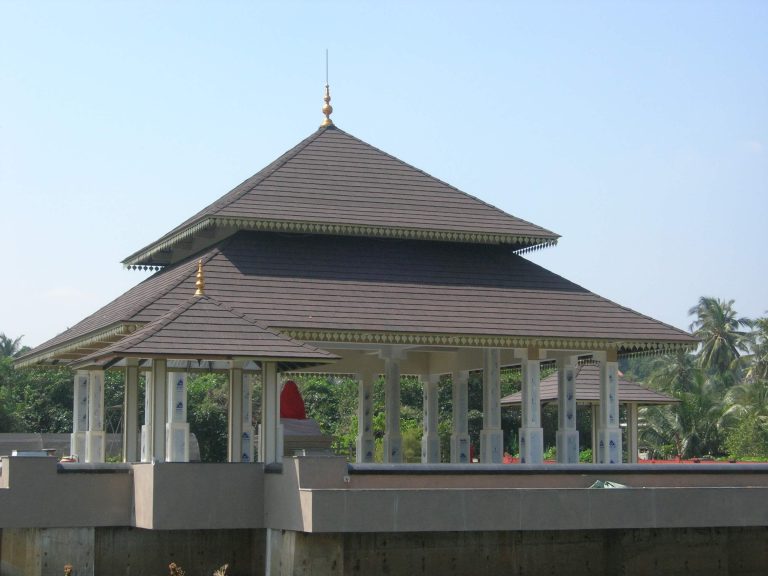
(703, 552)
(129, 551)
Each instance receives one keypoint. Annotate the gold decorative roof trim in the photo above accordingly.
(625, 347)
(100, 337)
(137, 261)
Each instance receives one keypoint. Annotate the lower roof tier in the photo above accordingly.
(333, 288)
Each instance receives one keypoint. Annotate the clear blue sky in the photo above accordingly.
(637, 131)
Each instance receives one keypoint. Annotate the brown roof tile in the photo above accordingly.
(301, 282)
(202, 327)
(334, 178)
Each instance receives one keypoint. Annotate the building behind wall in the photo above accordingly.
(340, 258)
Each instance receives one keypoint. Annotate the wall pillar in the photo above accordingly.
(365, 445)
(240, 422)
(79, 415)
(531, 433)
(430, 440)
(567, 434)
(609, 432)
(492, 436)
(270, 431)
(95, 438)
(131, 411)
(393, 442)
(177, 427)
(460, 435)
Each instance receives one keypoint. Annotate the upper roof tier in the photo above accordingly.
(334, 183)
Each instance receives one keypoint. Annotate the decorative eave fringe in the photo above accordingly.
(623, 348)
(100, 337)
(143, 260)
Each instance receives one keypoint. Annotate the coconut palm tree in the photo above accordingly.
(722, 340)
(756, 362)
(746, 400)
(691, 426)
(8, 347)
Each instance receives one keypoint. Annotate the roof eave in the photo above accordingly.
(147, 257)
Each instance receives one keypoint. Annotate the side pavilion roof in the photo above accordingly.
(334, 183)
(202, 327)
(588, 390)
(381, 291)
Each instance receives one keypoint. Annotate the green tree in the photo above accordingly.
(10, 347)
(207, 413)
(690, 426)
(722, 340)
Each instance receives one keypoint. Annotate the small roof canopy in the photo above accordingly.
(588, 390)
(204, 328)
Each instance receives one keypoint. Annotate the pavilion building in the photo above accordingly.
(342, 259)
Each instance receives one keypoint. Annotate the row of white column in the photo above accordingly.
(531, 435)
(165, 431)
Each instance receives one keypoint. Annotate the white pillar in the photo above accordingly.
(430, 440)
(130, 411)
(609, 433)
(595, 424)
(146, 427)
(492, 436)
(270, 430)
(240, 437)
(567, 434)
(632, 432)
(366, 445)
(95, 439)
(393, 442)
(177, 428)
(531, 433)
(460, 435)
(79, 415)
(155, 413)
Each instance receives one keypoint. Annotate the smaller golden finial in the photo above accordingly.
(200, 283)
(327, 108)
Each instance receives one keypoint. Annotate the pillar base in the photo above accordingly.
(460, 449)
(430, 449)
(366, 448)
(609, 445)
(77, 445)
(177, 442)
(393, 449)
(568, 446)
(146, 443)
(531, 445)
(95, 446)
(491, 446)
(246, 444)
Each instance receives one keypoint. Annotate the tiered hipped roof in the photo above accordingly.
(337, 241)
(334, 183)
(337, 289)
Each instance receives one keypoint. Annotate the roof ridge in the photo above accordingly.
(237, 192)
(428, 175)
(250, 319)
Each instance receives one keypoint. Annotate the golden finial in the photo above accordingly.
(327, 108)
(200, 283)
